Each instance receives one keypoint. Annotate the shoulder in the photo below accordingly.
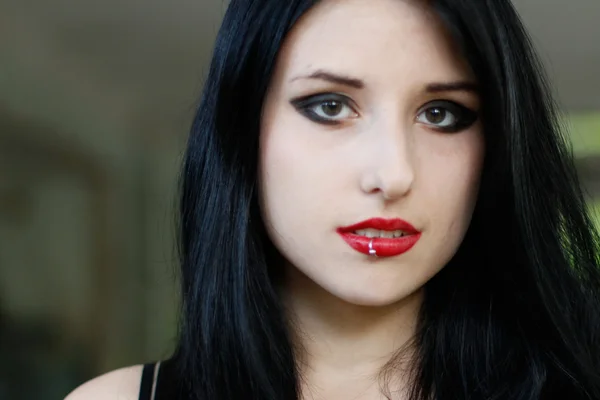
(121, 384)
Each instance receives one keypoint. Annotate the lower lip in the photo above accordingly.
(384, 247)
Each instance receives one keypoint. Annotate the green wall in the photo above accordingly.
(585, 135)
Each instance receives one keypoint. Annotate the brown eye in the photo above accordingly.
(435, 115)
(326, 108)
(446, 116)
(332, 108)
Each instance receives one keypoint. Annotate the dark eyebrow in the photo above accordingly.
(334, 78)
(460, 86)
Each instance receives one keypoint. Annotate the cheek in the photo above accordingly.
(303, 167)
(290, 174)
(453, 188)
(284, 167)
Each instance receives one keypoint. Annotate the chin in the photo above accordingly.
(369, 297)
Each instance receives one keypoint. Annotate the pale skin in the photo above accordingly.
(376, 143)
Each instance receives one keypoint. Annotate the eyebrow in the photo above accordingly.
(437, 87)
(334, 78)
(458, 86)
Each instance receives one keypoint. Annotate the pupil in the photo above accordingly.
(436, 115)
(332, 108)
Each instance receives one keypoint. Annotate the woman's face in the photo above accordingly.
(371, 114)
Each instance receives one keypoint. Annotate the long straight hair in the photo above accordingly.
(514, 315)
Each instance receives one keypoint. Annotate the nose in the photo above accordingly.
(390, 169)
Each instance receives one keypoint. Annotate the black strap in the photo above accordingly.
(147, 381)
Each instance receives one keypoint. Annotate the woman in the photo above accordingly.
(377, 203)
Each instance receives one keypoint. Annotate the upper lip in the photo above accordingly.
(382, 224)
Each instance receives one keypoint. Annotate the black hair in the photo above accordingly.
(514, 315)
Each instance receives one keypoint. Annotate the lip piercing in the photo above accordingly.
(372, 251)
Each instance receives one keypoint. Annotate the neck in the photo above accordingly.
(344, 341)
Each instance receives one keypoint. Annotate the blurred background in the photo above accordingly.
(95, 101)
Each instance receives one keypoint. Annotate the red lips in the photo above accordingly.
(384, 247)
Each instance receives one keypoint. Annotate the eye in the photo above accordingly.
(447, 116)
(327, 108)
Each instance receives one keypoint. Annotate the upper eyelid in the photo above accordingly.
(453, 106)
(452, 103)
(322, 96)
(317, 96)
(305, 101)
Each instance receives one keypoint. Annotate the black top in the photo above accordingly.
(159, 382)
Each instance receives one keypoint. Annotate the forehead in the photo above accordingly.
(374, 40)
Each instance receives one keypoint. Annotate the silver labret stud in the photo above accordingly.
(372, 251)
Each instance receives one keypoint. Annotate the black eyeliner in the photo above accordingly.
(304, 104)
(465, 116)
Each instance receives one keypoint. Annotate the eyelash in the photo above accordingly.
(464, 117)
(306, 106)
